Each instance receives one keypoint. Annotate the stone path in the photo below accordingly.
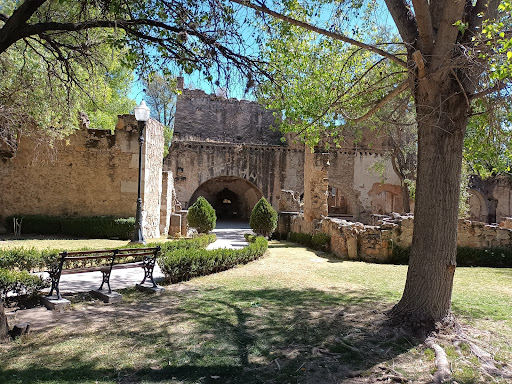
(230, 234)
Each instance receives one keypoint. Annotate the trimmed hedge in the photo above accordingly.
(24, 259)
(466, 257)
(183, 264)
(16, 264)
(33, 260)
(21, 282)
(319, 240)
(82, 226)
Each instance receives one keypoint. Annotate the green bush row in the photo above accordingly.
(21, 282)
(97, 227)
(183, 264)
(466, 257)
(33, 260)
(319, 240)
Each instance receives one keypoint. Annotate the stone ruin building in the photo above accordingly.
(222, 149)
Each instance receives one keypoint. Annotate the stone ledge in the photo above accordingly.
(158, 290)
(113, 297)
(55, 304)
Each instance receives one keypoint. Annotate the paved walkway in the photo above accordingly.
(230, 234)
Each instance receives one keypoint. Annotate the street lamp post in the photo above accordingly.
(142, 116)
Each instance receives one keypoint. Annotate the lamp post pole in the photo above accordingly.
(142, 116)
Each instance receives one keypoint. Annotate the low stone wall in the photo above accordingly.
(374, 243)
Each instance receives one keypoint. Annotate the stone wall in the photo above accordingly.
(166, 204)
(152, 155)
(316, 182)
(374, 243)
(91, 172)
(490, 199)
(211, 118)
(268, 168)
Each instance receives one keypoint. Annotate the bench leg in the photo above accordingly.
(55, 277)
(148, 265)
(106, 279)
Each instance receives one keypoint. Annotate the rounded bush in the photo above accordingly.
(201, 216)
(263, 218)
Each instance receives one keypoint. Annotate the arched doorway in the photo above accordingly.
(232, 197)
(337, 202)
(478, 208)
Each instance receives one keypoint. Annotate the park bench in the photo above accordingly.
(109, 260)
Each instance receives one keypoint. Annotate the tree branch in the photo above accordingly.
(404, 20)
(18, 18)
(382, 102)
(488, 91)
(446, 37)
(336, 36)
(424, 22)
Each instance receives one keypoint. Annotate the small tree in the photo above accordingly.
(201, 216)
(263, 218)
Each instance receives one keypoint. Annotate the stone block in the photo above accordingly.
(55, 304)
(158, 290)
(175, 224)
(113, 297)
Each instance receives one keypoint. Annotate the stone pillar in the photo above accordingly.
(316, 183)
(175, 224)
(166, 202)
(184, 221)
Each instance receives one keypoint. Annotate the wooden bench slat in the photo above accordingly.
(84, 269)
(87, 252)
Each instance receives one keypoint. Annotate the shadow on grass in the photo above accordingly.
(215, 335)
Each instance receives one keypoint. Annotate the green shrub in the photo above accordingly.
(300, 238)
(201, 216)
(21, 282)
(466, 257)
(321, 241)
(98, 227)
(250, 237)
(41, 224)
(263, 218)
(183, 264)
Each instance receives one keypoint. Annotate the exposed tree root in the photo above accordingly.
(443, 372)
(488, 364)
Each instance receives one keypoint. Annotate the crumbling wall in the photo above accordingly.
(374, 243)
(91, 172)
(269, 168)
(206, 117)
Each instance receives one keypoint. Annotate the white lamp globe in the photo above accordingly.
(141, 111)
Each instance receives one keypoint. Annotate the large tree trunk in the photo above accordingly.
(442, 119)
(4, 327)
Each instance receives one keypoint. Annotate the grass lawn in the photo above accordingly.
(294, 316)
(63, 243)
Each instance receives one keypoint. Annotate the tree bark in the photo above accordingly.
(4, 326)
(442, 118)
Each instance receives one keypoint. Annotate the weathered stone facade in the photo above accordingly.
(224, 150)
(490, 200)
(91, 172)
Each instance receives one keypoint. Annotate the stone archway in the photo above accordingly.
(232, 197)
(478, 207)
